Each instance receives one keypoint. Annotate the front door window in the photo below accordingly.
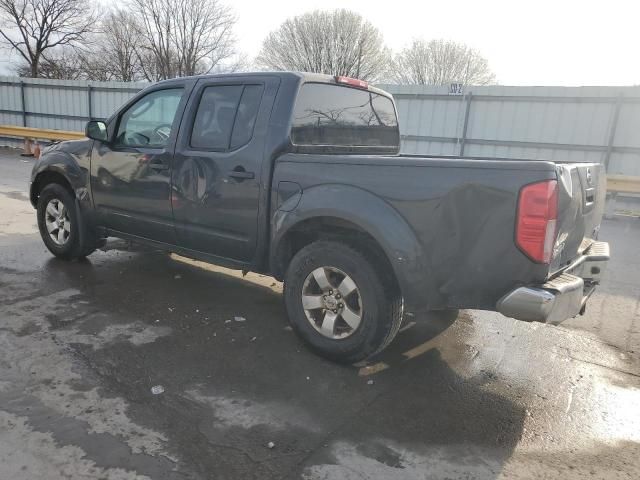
(149, 121)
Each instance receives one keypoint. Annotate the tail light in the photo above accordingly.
(536, 223)
(354, 82)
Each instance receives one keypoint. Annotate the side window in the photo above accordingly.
(246, 116)
(149, 121)
(215, 116)
(226, 116)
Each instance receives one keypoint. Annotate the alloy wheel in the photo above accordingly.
(57, 221)
(332, 303)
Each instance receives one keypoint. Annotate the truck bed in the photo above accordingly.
(462, 212)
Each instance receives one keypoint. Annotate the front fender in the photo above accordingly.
(371, 214)
(69, 160)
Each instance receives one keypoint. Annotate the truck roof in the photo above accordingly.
(303, 76)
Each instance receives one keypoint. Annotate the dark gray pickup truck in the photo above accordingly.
(299, 176)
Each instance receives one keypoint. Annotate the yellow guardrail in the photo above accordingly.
(623, 184)
(38, 133)
(615, 183)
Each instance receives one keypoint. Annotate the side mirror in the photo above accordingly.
(96, 130)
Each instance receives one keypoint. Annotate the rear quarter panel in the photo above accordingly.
(460, 212)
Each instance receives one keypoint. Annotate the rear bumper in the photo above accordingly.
(564, 296)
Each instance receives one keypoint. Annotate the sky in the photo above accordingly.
(542, 42)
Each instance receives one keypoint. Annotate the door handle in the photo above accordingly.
(241, 174)
(159, 166)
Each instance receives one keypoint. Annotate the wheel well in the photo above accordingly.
(45, 178)
(330, 228)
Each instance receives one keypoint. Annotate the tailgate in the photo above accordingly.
(581, 199)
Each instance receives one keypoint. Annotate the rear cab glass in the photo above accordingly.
(338, 118)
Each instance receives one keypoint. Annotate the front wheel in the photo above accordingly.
(59, 224)
(343, 304)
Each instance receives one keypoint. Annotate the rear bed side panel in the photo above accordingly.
(461, 211)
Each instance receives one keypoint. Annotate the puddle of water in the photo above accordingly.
(246, 414)
(27, 454)
(382, 459)
(40, 365)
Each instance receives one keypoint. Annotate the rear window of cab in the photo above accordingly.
(340, 116)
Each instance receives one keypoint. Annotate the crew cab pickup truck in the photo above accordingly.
(299, 176)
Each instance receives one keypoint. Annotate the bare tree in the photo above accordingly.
(157, 26)
(94, 65)
(338, 42)
(239, 62)
(109, 53)
(35, 28)
(203, 36)
(439, 62)
(114, 55)
(60, 63)
(183, 37)
(120, 40)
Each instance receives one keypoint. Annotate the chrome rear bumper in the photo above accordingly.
(562, 297)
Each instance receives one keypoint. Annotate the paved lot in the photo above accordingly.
(82, 343)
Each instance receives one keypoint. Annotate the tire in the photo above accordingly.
(375, 300)
(73, 243)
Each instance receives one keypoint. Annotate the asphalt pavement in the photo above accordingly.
(480, 396)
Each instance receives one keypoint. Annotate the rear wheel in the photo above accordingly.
(60, 224)
(344, 305)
